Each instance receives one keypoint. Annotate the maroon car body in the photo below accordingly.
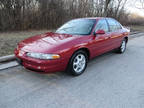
(65, 45)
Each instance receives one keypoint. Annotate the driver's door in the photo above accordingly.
(101, 42)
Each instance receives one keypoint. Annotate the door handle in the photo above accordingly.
(107, 37)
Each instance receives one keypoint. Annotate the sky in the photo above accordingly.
(133, 7)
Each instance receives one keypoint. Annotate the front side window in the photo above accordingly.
(77, 27)
(102, 25)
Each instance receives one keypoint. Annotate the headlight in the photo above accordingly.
(43, 56)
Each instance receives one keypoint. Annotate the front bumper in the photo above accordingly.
(42, 66)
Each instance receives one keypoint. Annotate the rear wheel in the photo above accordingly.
(78, 63)
(122, 48)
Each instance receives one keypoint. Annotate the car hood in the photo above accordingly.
(45, 43)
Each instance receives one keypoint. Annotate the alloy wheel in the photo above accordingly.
(123, 46)
(79, 63)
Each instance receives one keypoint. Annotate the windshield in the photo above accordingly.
(77, 27)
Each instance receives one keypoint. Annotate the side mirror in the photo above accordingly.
(99, 32)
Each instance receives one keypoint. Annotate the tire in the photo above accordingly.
(122, 48)
(77, 63)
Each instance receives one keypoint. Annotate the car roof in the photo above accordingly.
(95, 18)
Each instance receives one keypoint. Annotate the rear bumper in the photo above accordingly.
(42, 66)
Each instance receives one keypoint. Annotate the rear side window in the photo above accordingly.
(118, 25)
(114, 25)
(102, 25)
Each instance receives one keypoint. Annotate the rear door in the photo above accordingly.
(116, 33)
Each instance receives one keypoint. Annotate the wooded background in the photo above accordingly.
(49, 14)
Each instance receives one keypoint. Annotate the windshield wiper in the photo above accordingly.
(66, 28)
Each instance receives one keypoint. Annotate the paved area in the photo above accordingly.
(110, 81)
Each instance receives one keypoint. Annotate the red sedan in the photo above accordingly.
(72, 45)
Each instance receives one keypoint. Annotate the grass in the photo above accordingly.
(137, 28)
(9, 40)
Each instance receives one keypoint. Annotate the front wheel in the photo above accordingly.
(77, 63)
(122, 48)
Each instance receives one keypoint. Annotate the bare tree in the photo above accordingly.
(49, 14)
(106, 4)
(142, 4)
(139, 4)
